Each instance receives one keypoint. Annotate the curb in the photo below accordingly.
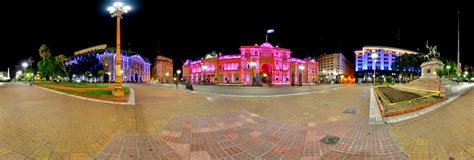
(131, 97)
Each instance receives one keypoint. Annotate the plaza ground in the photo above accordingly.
(37, 124)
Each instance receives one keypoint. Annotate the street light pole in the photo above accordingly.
(178, 72)
(117, 10)
(449, 69)
(25, 66)
(301, 67)
(374, 58)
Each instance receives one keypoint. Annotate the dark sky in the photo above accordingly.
(184, 30)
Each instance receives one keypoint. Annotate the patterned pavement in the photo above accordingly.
(445, 133)
(170, 124)
(244, 135)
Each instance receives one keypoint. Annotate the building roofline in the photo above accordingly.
(386, 47)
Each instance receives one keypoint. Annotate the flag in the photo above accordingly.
(270, 31)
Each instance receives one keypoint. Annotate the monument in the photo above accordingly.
(428, 69)
(429, 79)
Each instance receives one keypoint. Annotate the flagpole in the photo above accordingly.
(458, 65)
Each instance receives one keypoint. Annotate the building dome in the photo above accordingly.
(267, 45)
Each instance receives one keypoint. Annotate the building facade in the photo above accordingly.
(255, 64)
(99, 66)
(383, 64)
(162, 69)
(335, 67)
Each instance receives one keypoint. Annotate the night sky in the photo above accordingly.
(183, 30)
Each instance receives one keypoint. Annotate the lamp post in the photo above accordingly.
(203, 70)
(301, 68)
(117, 10)
(449, 69)
(24, 65)
(374, 58)
(465, 74)
(178, 72)
(252, 66)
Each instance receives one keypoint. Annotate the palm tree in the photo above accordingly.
(44, 51)
(60, 59)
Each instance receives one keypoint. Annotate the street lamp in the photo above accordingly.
(449, 69)
(178, 72)
(24, 64)
(117, 10)
(252, 66)
(301, 68)
(374, 58)
(203, 70)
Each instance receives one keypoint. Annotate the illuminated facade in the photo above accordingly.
(255, 64)
(86, 66)
(383, 65)
(162, 69)
(334, 67)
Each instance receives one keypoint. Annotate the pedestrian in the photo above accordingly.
(176, 82)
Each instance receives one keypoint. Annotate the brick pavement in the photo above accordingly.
(36, 124)
(440, 134)
(244, 135)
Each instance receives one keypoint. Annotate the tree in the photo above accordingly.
(389, 79)
(408, 65)
(49, 68)
(60, 59)
(101, 73)
(449, 69)
(380, 79)
(44, 51)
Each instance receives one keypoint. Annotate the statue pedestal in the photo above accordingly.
(428, 69)
(429, 79)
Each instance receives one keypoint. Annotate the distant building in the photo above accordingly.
(255, 64)
(386, 58)
(85, 66)
(162, 69)
(5, 76)
(334, 67)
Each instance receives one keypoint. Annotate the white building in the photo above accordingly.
(331, 66)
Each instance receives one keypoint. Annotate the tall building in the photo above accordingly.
(162, 69)
(383, 65)
(334, 67)
(255, 64)
(86, 64)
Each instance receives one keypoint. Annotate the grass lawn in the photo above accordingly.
(397, 100)
(78, 85)
(91, 90)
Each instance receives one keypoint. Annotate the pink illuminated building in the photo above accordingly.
(255, 64)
